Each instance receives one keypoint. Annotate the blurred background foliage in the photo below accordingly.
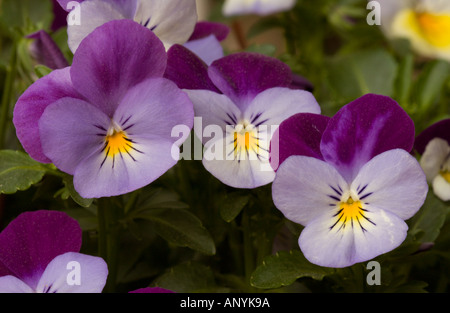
(188, 232)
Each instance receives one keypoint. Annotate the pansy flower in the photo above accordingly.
(425, 23)
(259, 7)
(434, 146)
(353, 189)
(107, 120)
(173, 21)
(240, 99)
(39, 252)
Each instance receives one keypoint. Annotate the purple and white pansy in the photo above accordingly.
(241, 99)
(107, 119)
(163, 17)
(434, 146)
(39, 252)
(354, 188)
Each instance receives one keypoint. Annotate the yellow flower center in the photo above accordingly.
(435, 28)
(446, 175)
(117, 143)
(351, 213)
(246, 140)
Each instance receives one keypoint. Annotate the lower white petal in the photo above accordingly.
(441, 187)
(436, 152)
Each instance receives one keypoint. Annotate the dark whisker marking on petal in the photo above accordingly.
(343, 224)
(368, 219)
(147, 22)
(100, 127)
(334, 198)
(129, 140)
(104, 160)
(100, 135)
(340, 188)
(104, 147)
(257, 154)
(135, 149)
(365, 196)
(114, 161)
(363, 229)
(128, 127)
(262, 148)
(361, 191)
(128, 152)
(339, 212)
(153, 28)
(331, 227)
(257, 116)
(260, 123)
(126, 121)
(335, 190)
(232, 118)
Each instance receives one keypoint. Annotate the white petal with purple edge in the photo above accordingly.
(436, 151)
(305, 188)
(236, 167)
(272, 106)
(74, 273)
(172, 21)
(11, 284)
(92, 15)
(214, 109)
(393, 181)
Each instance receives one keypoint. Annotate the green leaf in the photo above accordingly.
(42, 70)
(179, 227)
(427, 223)
(232, 204)
(356, 74)
(285, 268)
(70, 189)
(18, 171)
(431, 82)
(188, 278)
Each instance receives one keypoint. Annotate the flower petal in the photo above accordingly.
(351, 244)
(46, 51)
(215, 110)
(93, 14)
(208, 49)
(363, 129)
(242, 76)
(244, 170)
(11, 284)
(105, 176)
(33, 239)
(115, 57)
(305, 188)
(187, 70)
(172, 21)
(74, 273)
(204, 29)
(31, 105)
(298, 135)
(440, 129)
(65, 4)
(441, 187)
(393, 181)
(434, 156)
(71, 130)
(260, 7)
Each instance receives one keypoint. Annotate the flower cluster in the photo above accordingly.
(143, 68)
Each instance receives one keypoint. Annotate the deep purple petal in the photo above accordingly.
(65, 4)
(242, 76)
(363, 129)
(440, 129)
(46, 51)
(59, 16)
(71, 130)
(33, 239)
(115, 57)
(298, 135)
(31, 105)
(187, 70)
(204, 29)
(152, 290)
(300, 82)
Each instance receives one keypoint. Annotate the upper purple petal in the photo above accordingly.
(31, 105)
(440, 129)
(115, 57)
(363, 129)
(204, 29)
(65, 4)
(33, 239)
(298, 135)
(242, 76)
(187, 70)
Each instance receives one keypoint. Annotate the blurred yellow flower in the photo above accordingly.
(425, 23)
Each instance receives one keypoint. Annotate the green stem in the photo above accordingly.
(7, 93)
(108, 244)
